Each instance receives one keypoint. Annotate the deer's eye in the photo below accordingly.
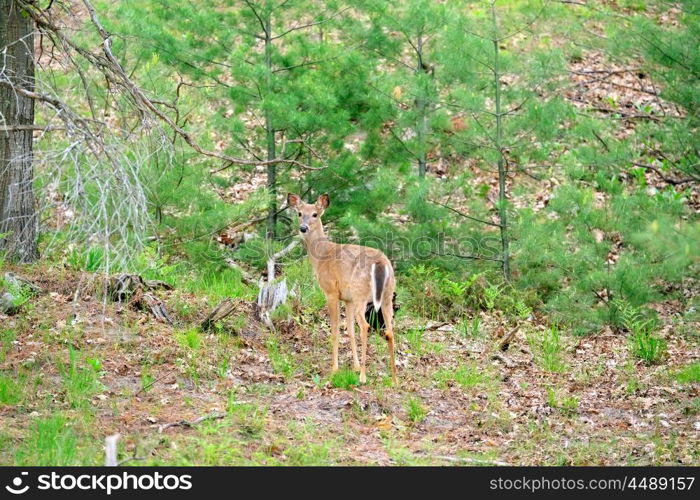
(299, 214)
(315, 215)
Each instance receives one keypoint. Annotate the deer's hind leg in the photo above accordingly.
(350, 322)
(364, 328)
(388, 314)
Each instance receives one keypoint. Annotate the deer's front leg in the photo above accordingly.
(334, 311)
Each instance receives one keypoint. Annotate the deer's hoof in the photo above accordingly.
(363, 378)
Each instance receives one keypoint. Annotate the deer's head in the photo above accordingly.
(309, 213)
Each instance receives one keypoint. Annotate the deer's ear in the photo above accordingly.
(323, 201)
(293, 199)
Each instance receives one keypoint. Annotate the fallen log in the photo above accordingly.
(222, 310)
(147, 301)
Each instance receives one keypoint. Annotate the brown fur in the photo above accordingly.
(344, 274)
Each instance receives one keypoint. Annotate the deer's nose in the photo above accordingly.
(303, 228)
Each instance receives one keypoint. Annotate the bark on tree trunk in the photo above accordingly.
(502, 171)
(270, 138)
(18, 218)
(422, 107)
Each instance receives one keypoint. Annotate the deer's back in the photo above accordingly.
(345, 270)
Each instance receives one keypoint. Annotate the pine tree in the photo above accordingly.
(261, 66)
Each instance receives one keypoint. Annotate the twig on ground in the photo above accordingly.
(475, 461)
(192, 423)
(667, 180)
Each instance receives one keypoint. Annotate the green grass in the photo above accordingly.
(80, 383)
(465, 376)
(418, 344)
(281, 362)
(248, 419)
(345, 379)
(7, 336)
(218, 285)
(10, 391)
(690, 374)
(647, 346)
(416, 410)
(51, 441)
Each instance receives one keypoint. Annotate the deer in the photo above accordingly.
(354, 274)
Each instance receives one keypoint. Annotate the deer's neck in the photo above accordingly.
(318, 247)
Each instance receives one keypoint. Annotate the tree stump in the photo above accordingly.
(270, 297)
(132, 288)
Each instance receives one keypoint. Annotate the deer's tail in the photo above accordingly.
(379, 275)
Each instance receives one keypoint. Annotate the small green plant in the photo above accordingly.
(415, 409)
(250, 419)
(644, 343)
(414, 337)
(454, 288)
(95, 364)
(475, 326)
(146, 378)
(17, 293)
(547, 349)
(345, 379)
(567, 405)
(522, 310)
(90, 260)
(218, 284)
(282, 313)
(190, 339)
(491, 295)
(570, 404)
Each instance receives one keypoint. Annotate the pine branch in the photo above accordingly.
(462, 214)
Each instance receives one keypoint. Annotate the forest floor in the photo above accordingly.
(74, 370)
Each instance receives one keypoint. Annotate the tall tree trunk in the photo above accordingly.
(502, 204)
(422, 108)
(270, 136)
(18, 217)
